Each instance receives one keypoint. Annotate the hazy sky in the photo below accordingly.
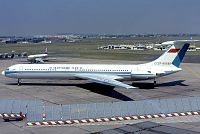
(31, 17)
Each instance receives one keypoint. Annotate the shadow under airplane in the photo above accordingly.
(142, 85)
(93, 87)
(105, 90)
(172, 83)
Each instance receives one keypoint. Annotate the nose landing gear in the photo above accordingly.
(19, 82)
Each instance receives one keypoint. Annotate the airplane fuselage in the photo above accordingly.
(69, 71)
(33, 57)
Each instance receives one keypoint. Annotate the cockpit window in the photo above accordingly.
(7, 69)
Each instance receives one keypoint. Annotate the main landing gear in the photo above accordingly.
(19, 82)
(154, 82)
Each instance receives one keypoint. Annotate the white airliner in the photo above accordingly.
(112, 75)
(38, 58)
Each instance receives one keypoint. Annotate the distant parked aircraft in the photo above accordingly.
(7, 55)
(2, 55)
(112, 75)
(38, 58)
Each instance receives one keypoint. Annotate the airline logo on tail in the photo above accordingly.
(173, 50)
(178, 59)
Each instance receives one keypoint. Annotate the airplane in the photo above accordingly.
(4, 55)
(38, 58)
(111, 74)
(7, 55)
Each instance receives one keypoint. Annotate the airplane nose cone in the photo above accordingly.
(3, 72)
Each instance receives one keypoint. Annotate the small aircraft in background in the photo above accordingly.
(7, 55)
(39, 58)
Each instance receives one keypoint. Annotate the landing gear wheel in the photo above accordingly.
(154, 82)
(19, 82)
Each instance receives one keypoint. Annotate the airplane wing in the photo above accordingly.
(39, 60)
(105, 79)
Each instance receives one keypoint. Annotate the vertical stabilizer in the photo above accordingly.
(174, 55)
(46, 51)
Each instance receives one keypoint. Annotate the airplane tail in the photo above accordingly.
(46, 51)
(174, 55)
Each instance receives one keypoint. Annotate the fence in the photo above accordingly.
(17, 106)
(99, 110)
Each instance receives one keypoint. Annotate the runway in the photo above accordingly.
(181, 84)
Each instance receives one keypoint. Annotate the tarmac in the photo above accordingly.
(182, 84)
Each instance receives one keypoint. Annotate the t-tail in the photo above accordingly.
(174, 55)
(46, 51)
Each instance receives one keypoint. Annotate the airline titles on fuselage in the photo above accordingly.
(67, 68)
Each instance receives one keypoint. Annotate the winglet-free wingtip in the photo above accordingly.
(131, 87)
